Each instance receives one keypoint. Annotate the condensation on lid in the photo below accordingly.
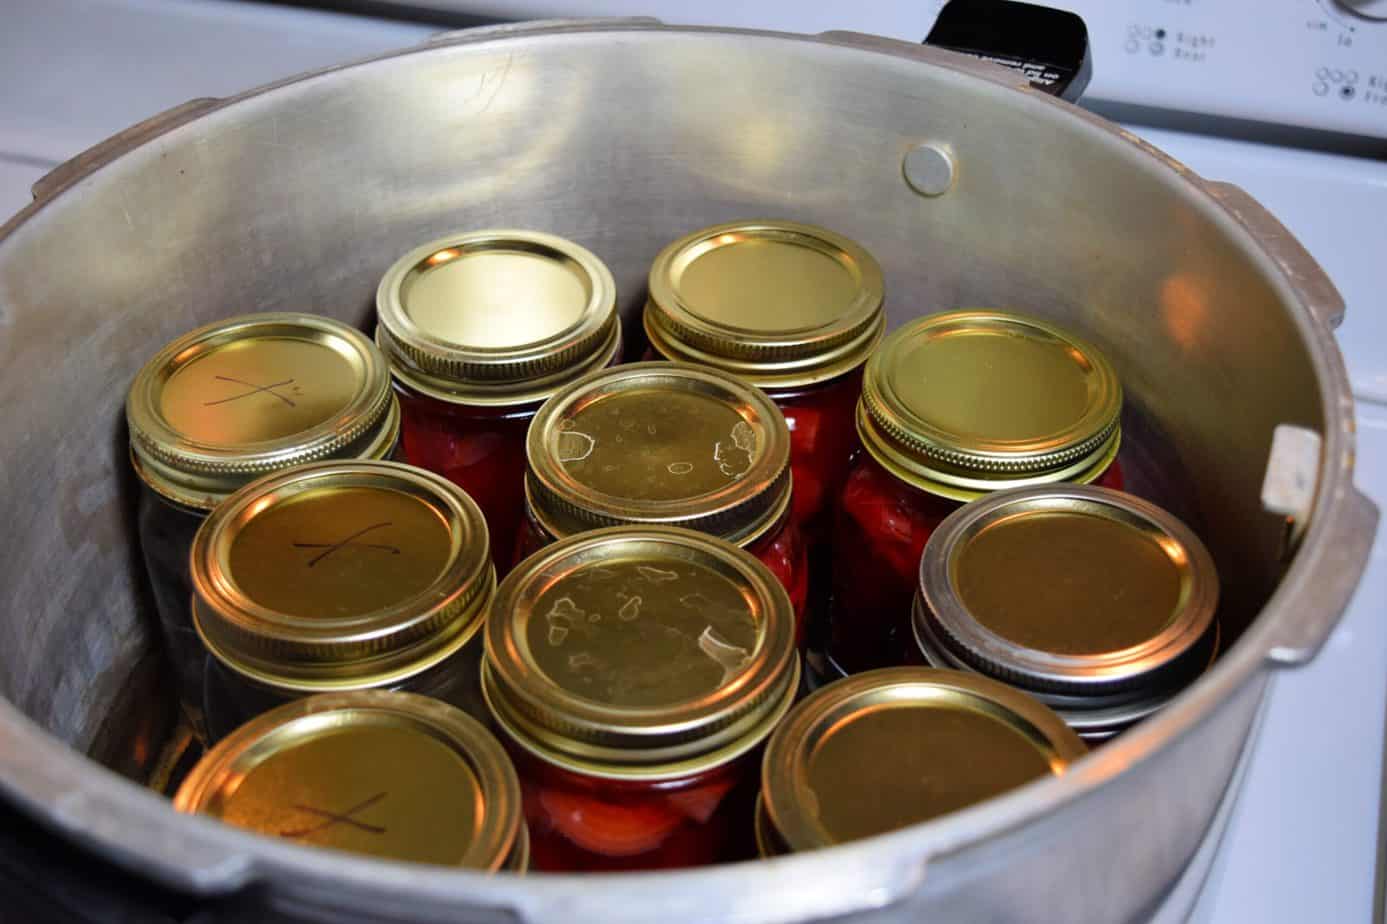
(660, 443)
(638, 646)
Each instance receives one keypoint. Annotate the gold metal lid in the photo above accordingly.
(497, 317)
(341, 576)
(969, 402)
(659, 443)
(1068, 589)
(390, 775)
(893, 747)
(640, 652)
(776, 302)
(229, 402)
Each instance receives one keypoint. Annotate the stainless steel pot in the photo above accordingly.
(969, 188)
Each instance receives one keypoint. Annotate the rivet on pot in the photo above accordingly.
(929, 169)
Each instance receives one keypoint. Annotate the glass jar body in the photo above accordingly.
(823, 441)
(481, 449)
(782, 549)
(582, 823)
(166, 531)
(231, 699)
(881, 527)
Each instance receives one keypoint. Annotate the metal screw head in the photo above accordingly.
(929, 169)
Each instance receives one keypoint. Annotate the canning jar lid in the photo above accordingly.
(968, 402)
(496, 317)
(1093, 717)
(1077, 591)
(391, 775)
(341, 575)
(779, 303)
(640, 652)
(227, 403)
(659, 443)
(900, 745)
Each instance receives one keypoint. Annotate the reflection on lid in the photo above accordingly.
(341, 575)
(252, 391)
(497, 317)
(345, 788)
(496, 298)
(975, 401)
(779, 303)
(893, 747)
(389, 775)
(1071, 583)
(944, 756)
(229, 402)
(1069, 590)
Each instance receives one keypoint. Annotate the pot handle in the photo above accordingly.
(1318, 604)
(1301, 270)
(505, 29)
(103, 152)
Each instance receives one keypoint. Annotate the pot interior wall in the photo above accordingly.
(298, 199)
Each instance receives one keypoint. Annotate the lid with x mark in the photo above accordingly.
(229, 402)
(391, 775)
(341, 576)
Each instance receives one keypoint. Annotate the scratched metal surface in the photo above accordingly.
(622, 139)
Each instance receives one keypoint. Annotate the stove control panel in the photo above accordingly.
(1319, 64)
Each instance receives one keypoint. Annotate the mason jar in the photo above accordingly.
(224, 405)
(792, 308)
(955, 406)
(898, 746)
(385, 774)
(480, 327)
(634, 673)
(666, 443)
(1098, 603)
(341, 576)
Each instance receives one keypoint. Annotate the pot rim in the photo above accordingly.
(129, 825)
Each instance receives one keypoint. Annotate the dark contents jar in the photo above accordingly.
(898, 746)
(1096, 602)
(666, 443)
(226, 404)
(388, 775)
(955, 406)
(337, 577)
(480, 327)
(792, 308)
(635, 672)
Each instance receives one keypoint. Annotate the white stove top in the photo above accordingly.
(1303, 841)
